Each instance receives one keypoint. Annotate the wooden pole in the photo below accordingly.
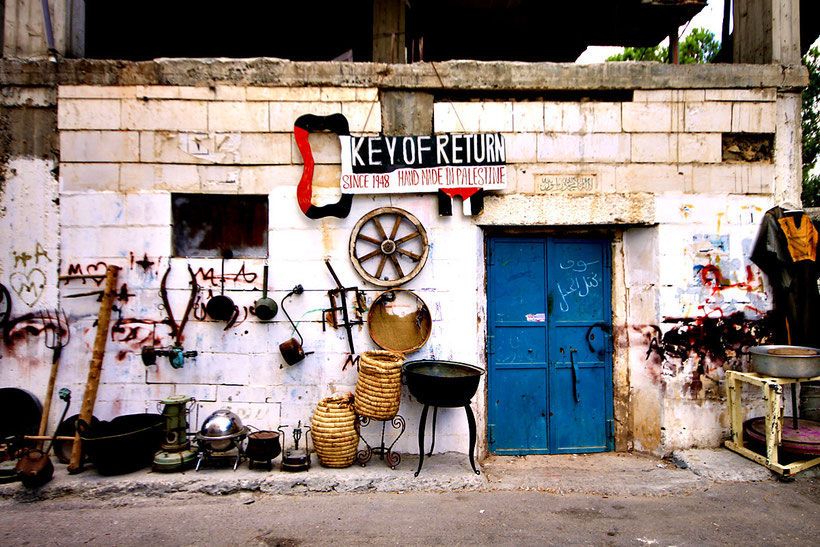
(95, 369)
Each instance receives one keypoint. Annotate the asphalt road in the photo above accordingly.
(764, 513)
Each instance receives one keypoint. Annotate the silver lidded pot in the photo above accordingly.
(221, 431)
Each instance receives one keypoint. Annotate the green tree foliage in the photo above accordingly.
(699, 46)
(811, 129)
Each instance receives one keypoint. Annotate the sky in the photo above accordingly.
(710, 17)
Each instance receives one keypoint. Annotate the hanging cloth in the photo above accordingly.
(801, 237)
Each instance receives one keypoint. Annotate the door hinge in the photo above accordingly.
(491, 434)
(490, 345)
(610, 429)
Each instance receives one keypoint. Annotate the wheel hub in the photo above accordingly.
(388, 246)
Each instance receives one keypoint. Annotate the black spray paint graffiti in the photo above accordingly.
(713, 344)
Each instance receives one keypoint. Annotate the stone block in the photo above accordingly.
(263, 179)
(99, 146)
(265, 148)
(554, 116)
(241, 116)
(713, 179)
(284, 94)
(283, 114)
(183, 147)
(606, 117)
(95, 177)
(558, 147)
(700, 147)
(92, 209)
(650, 117)
(595, 147)
(363, 117)
(528, 117)
(407, 113)
(148, 209)
(654, 147)
(367, 94)
(96, 92)
(88, 114)
(200, 392)
(652, 96)
(111, 392)
(707, 117)
(165, 115)
(755, 117)
(243, 394)
(28, 96)
(521, 147)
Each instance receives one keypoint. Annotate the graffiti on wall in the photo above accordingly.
(28, 278)
(720, 284)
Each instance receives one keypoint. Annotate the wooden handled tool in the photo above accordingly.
(75, 464)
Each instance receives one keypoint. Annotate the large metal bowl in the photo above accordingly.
(441, 383)
(222, 430)
(786, 361)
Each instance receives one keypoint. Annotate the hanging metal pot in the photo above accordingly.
(291, 349)
(265, 308)
(221, 307)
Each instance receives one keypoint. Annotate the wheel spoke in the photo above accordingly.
(369, 239)
(380, 269)
(412, 256)
(396, 264)
(408, 237)
(370, 255)
(395, 227)
(379, 227)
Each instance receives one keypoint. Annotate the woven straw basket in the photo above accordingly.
(378, 389)
(334, 431)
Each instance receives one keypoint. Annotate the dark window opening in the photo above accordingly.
(748, 147)
(208, 225)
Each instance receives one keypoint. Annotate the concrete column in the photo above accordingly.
(388, 31)
(788, 147)
(767, 31)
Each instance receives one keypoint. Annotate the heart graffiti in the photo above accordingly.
(29, 287)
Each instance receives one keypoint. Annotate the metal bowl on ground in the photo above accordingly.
(441, 383)
(125, 444)
(786, 361)
(222, 431)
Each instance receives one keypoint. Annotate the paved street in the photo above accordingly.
(760, 513)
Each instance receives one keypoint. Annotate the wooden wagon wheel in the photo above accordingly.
(383, 246)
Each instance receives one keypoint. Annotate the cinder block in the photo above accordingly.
(265, 148)
(652, 178)
(96, 177)
(165, 115)
(521, 147)
(700, 148)
(707, 117)
(753, 117)
(340, 94)
(263, 179)
(99, 146)
(148, 209)
(200, 392)
(283, 114)
(229, 92)
(153, 177)
(363, 117)
(650, 117)
(528, 117)
(287, 94)
(325, 147)
(92, 209)
(755, 95)
(197, 93)
(654, 147)
(88, 114)
(238, 116)
(496, 117)
(96, 92)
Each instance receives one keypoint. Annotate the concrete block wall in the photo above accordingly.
(656, 168)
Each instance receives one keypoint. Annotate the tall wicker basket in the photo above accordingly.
(334, 431)
(378, 389)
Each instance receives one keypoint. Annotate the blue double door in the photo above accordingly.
(549, 345)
